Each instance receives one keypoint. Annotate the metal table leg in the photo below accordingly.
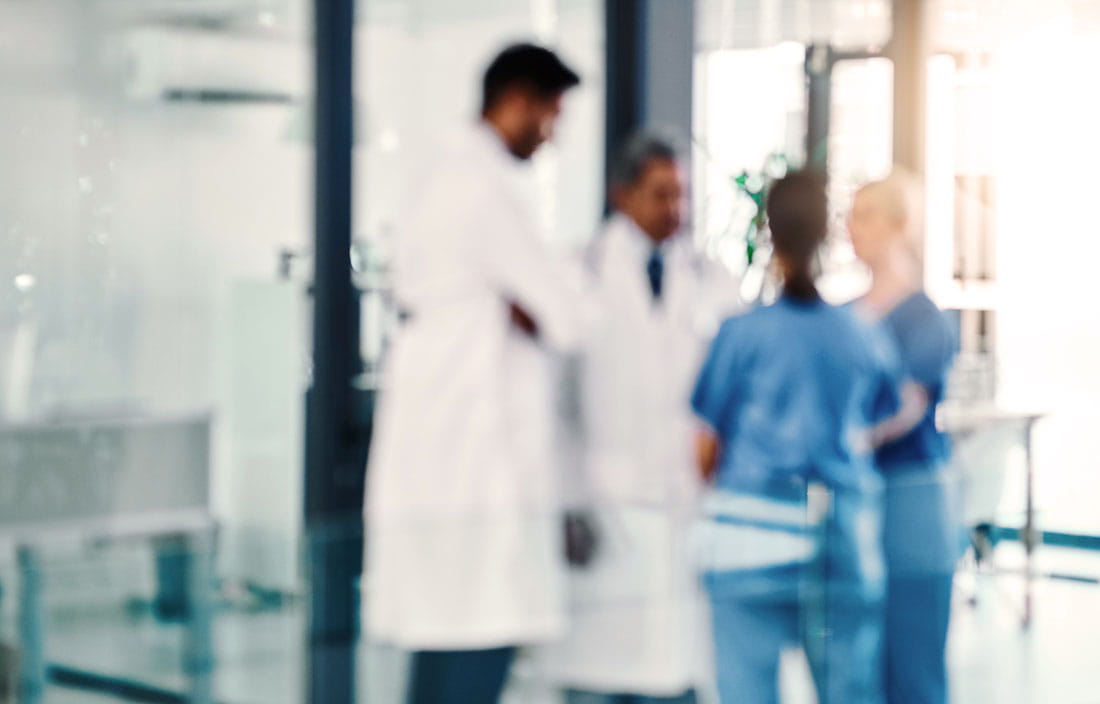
(1031, 534)
(32, 669)
(198, 650)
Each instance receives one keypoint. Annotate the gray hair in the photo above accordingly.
(635, 154)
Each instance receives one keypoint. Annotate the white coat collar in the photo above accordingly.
(626, 233)
(486, 138)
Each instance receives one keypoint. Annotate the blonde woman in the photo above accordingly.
(922, 540)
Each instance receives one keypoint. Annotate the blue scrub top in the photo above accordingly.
(790, 388)
(925, 347)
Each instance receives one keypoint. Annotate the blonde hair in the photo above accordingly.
(900, 197)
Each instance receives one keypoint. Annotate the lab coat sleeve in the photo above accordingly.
(548, 286)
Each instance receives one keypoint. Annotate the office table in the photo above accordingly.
(107, 478)
(965, 423)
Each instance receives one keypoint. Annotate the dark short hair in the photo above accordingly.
(635, 154)
(798, 214)
(798, 218)
(530, 65)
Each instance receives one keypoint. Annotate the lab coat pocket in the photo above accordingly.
(631, 563)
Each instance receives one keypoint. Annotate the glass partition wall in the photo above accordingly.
(153, 346)
(156, 236)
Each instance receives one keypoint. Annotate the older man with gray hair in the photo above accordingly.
(638, 632)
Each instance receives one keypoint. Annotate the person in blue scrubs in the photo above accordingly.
(788, 394)
(923, 538)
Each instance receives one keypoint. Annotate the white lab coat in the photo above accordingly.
(463, 502)
(639, 623)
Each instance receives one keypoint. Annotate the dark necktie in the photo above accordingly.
(655, 270)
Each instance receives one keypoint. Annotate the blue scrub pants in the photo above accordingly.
(917, 611)
(575, 696)
(749, 636)
(923, 539)
(831, 605)
(458, 676)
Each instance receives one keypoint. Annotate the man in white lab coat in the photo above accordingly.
(464, 543)
(638, 633)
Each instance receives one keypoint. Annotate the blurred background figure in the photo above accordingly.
(462, 510)
(787, 394)
(923, 537)
(638, 630)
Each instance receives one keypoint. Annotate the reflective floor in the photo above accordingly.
(260, 655)
(994, 660)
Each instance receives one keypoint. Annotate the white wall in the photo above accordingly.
(1048, 242)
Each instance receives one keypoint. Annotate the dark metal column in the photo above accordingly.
(670, 66)
(335, 455)
(819, 81)
(908, 50)
(626, 24)
(821, 59)
(32, 666)
(650, 62)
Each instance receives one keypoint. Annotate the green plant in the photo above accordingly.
(755, 186)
